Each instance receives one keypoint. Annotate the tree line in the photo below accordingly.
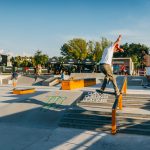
(80, 49)
(32, 61)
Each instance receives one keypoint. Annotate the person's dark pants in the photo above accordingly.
(35, 77)
(107, 70)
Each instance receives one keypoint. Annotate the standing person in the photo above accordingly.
(35, 77)
(123, 69)
(106, 63)
(146, 65)
(26, 70)
(14, 78)
(145, 59)
(49, 69)
(62, 74)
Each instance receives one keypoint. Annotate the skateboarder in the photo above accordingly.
(35, 76)
(14, 78)
(62, 74)
(106, 65)
(123, 70)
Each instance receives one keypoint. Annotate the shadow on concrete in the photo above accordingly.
(48, 117)
(43, 116)
(26, 98)
(44, 111)
(137, 122)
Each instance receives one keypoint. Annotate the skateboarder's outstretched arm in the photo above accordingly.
(117, 45)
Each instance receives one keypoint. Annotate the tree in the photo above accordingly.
(95, 49)
(60, 59)
(134, 51)
(97, 52)
(12, 60)
(40, 59)
(25, 63)
(76, 48)
(18, 60)
(136, 61)
(80, 49)
(131, 49)
(104, 43)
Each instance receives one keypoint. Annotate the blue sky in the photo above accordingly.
(28, 25)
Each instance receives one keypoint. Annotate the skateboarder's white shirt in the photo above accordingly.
(107, 55)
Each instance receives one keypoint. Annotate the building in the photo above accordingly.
(119, 62)
(3, 60)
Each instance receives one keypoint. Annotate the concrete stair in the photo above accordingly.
(84, 119)
(52, 81)
(96, 116)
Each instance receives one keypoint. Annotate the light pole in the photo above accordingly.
(0, 62)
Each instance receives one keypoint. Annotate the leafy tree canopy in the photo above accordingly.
(134, 51)
(40, 58)
(76, 48)
(80, 49)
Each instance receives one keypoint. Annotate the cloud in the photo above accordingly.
(1, 51)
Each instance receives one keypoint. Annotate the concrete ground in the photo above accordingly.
(30, 122)
(77, 139)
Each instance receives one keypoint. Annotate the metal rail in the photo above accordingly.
(118, 104)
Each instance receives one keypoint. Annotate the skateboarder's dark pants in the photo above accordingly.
(107, 70)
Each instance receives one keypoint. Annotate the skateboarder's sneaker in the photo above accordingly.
(99, 91)
(117, 94)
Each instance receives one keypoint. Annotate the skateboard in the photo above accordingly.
(105, 92)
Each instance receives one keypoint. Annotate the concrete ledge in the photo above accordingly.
(23, 91)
